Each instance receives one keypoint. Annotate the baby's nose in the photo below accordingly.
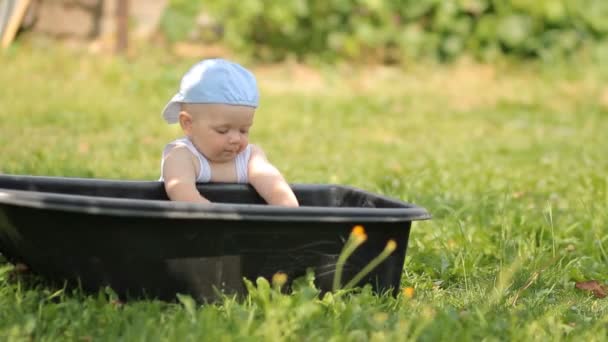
(234, 137)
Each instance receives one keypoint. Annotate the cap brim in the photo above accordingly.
(171, 110)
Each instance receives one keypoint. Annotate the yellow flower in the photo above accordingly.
(279, 279)
(408, 292)
(358, 234)
(391, 245)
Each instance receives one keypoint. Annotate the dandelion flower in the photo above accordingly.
(358, 234)
(408, 292)
(279, 279)
(391, 245)
(358, 230)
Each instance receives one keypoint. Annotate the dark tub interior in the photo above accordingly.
(126, 235)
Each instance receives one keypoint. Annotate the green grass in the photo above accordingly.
(511, 161)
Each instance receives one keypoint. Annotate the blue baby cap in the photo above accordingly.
(214, 81)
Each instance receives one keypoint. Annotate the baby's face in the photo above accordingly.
(219, 131)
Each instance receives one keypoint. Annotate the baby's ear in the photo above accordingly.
(185, 121)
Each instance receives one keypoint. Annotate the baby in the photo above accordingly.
(215, 107)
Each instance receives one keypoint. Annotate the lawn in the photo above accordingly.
(509, 159)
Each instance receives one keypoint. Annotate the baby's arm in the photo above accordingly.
(268, 181)
(179, 174)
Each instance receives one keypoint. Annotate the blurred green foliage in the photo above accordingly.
(395, 31)
(179, 18)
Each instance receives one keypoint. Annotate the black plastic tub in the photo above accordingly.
(127, 235)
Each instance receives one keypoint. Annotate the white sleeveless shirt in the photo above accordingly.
(204, 174)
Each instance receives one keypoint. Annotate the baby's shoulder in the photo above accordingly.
(177, 149)
(256, 154)
(180, 159)
(178, 153)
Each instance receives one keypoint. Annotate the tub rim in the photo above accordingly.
(152, 208)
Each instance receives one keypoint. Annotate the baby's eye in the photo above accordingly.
(222, 130)
(244, 131)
